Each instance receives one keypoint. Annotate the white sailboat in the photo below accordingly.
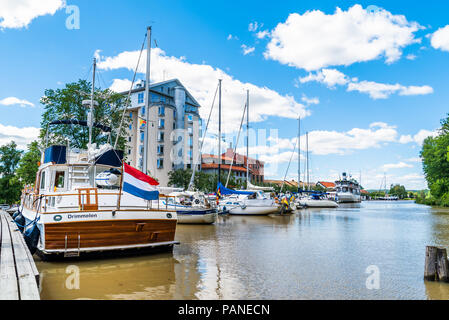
(315, 199)
(252, 201)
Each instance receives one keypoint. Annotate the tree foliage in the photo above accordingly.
(436, 166)
(203, 181)
(10, 185)
(28, 165)
(66, 104)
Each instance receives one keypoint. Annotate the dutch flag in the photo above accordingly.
(139, 184)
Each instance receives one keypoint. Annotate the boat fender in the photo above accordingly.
(197, 201)
(20, 221)
(31, 236)
(243, 206)
(14, 216)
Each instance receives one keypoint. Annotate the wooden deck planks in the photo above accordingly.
(9, 289)
(18, 272)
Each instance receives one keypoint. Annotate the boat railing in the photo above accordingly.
(43, 202)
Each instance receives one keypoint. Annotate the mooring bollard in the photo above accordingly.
(436, 266)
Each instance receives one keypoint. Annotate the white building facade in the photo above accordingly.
(174, 129)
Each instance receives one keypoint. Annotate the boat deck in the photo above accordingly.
(19, 277)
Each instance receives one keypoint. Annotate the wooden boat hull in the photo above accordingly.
(78, 232)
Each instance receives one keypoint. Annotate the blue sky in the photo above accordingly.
(369, 85)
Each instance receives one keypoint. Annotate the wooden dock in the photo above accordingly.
(19, 277)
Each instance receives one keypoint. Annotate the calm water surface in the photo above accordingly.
(313, 254)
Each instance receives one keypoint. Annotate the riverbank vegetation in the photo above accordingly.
(435, 157)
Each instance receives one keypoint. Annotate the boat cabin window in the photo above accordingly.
(60, 179)
(42, 180)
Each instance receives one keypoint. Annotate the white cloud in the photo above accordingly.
(15, 14)
(201, 81)
(418, 138)
(262, 34)
(309, 101)
(334, 142)
(411, 57)
(254, 26)
(329, 77)
(382, 90)
(399, 165)
(440, 39)
(247, 50)
(231, 37)
(332, 77)
(120, 85)
(11, 101)
(315, 40)
(22, 136)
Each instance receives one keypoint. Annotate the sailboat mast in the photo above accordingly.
(147, 104)
(299, 154)
(307, 163)
(91, 112)
(247, 139)
(219, 132)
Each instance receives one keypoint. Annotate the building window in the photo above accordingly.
(142, 111)
(190, 154)
(142, 136)
(161, 136)
(130, 127)
(140, 98)
(161, 123)
(174, 125)
(129, 151)
(174, 114)
(141, 150)
(131, 115)
(190, 118)
(160, 149)
(130, 139)
(161, 111)
(190, 130)
(160, 163)
(190, 142)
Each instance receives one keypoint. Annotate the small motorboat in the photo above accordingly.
(317, 201)
(254, 204)
(192, 207)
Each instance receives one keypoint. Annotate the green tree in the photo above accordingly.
(9, 158)
(399, 191)
(436, 166)
(28, 165)
(66, 104)
(10, 185)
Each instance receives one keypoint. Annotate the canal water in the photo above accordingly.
(375, 250)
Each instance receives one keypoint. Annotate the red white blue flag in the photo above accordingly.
(139, 184)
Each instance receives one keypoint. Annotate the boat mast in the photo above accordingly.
(147, 103)
(307, 163)
(299, 154)
(247, 139)
(219, 131)
(91, 112)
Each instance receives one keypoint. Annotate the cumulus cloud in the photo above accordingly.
(440, 39)
(417, 138)
(310, 101)
(16, 14)
(332, 77)
(11, 101)
(315, 40)
(201, 80)
(378, 90)
(247, 50)
(399, 165)
(329, 77)
(22, 136)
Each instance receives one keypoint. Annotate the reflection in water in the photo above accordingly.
(313, 254)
